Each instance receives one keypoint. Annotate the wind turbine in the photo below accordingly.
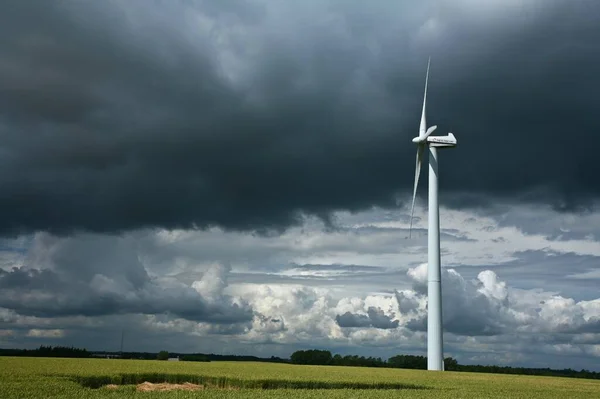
(435, 347)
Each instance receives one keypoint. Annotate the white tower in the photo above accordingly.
(435, 344)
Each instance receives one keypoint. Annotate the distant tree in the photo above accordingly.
(195, 358)
(337, 360)
(313, 356)
(57, 351)
(408, 362)
(450, 364)
(163, 355)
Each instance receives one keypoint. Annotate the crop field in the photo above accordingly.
(104, 378)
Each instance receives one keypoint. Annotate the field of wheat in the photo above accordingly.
(95, 378)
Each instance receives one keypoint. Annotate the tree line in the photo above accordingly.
(47, 351)
(325, 358)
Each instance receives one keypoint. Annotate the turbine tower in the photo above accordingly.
(435, 347)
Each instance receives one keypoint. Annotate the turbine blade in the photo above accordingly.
(419, 161)
(429, 131)
(423, 126)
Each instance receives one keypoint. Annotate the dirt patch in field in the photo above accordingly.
(165, 386)
(188, 382)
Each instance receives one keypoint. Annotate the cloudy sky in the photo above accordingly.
(234, 176)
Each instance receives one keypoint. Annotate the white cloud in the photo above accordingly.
(483, 311)
(53, 333)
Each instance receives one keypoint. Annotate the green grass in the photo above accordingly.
(74, 378)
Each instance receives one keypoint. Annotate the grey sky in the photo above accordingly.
(129, 114)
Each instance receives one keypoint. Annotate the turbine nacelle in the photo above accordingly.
(442, 141)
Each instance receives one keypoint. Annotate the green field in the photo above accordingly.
(70, 378)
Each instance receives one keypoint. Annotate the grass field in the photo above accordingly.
(86, 378)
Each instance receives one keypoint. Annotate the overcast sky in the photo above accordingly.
(234, 176)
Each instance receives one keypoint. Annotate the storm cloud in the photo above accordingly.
(102, 275)
(120, 115)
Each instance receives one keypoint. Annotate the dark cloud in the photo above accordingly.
(102, 275)
(375, 317)
(353, 320)
(590, 326)
(42, 293)
(406, 303)
(122, 115)
(475, 308)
